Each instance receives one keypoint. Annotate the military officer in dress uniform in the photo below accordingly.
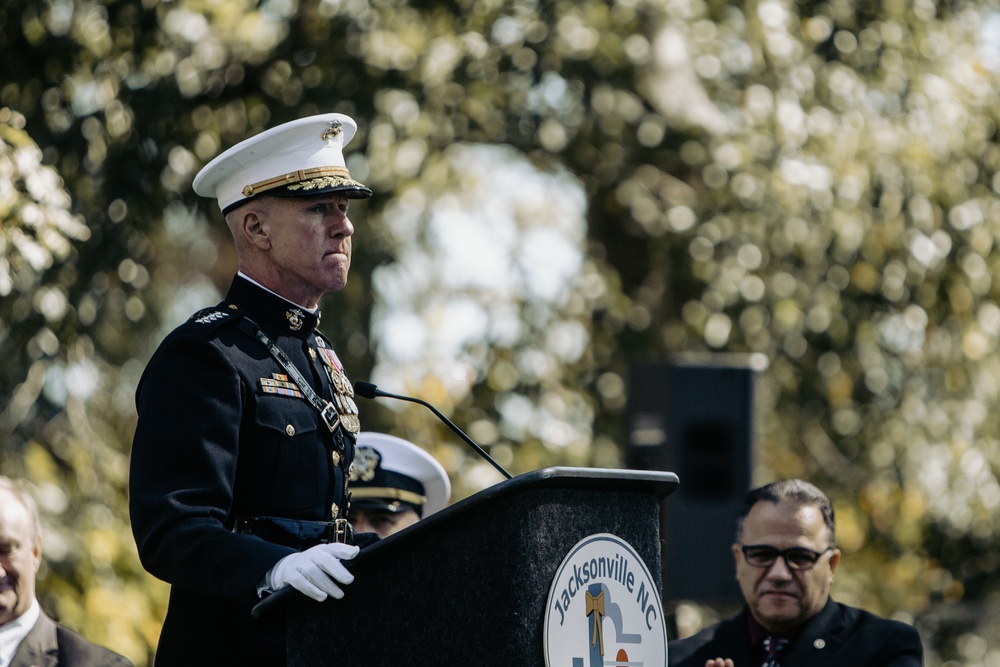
(246, 420)
(394, 484)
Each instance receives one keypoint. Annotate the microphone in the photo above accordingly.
(368, 390)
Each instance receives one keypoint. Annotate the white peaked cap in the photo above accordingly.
(376, 478)
(300, 158)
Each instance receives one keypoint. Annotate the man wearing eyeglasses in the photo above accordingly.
(785, 555)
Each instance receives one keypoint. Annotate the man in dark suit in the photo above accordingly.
(246, 419)
(27, 636)
(785, 555)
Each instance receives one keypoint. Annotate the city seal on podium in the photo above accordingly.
(604, 608)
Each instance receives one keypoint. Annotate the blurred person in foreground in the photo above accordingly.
(394, 484)
(246, 419)
(785, 555)
(27, 635)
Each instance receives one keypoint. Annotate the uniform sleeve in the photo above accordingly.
(190, 404)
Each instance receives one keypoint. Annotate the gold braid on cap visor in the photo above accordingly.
(305, 179)
(388, 494)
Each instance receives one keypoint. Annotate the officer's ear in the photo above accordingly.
(249, 224)
(256, 229)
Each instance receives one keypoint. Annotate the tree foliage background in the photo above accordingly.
(814, 182)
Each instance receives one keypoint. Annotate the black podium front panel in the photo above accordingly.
(469, 585)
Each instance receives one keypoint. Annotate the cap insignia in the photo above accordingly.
(334, 130)
(366, 462)
(296, 318)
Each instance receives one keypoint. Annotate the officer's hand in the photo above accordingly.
(315, 571)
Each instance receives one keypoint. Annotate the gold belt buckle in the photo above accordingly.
(342, 532)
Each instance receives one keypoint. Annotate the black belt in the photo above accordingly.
(296, 534)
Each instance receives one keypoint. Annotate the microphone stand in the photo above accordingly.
(368, 390)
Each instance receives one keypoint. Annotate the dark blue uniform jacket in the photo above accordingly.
(215, 442)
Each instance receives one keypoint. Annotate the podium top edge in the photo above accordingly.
(659, 482)
(655, 483)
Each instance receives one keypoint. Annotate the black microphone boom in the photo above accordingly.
(368, 390)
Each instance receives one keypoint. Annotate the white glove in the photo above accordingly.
(315, 571)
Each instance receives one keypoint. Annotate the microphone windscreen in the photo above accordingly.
(365, 389)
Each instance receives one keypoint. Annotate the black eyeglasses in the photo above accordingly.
(796, 558)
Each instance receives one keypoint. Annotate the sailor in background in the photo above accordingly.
(394, 484)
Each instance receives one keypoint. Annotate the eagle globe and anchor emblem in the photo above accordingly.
(604, 609)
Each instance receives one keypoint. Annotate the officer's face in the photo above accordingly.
(20, 556)
(778, 597)
(308, 245)
(381, 521)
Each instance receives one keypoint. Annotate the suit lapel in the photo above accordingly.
(39, 648)
(821, 638)
(734, 634)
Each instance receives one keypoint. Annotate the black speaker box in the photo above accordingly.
(696, 419)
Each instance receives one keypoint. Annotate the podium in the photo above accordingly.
(470, 584)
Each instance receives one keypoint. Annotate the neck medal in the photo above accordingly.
(343, 392)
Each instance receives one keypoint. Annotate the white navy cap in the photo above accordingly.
(303, 157)
(393, 474)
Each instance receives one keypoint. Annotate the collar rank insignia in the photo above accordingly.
(279, 385)
(213, 316)
(296, 318)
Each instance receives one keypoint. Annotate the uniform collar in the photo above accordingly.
(266, 307)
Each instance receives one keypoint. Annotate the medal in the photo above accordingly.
(337, 380)
(343, 392)
(351, 423)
